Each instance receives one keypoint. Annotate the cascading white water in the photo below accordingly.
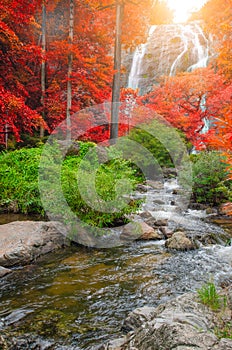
(133, 81)
(202, 50)
(169, 49)
(136, 68)
(184, 38)
(191, 35)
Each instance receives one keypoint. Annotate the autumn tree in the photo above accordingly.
(91, 62)
(219, 136)
(185, 101)
(19, 54)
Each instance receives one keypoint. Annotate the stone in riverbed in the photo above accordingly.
(4, 271)
(166, 231)
(139, 231)
(151, 221)
(226, 209)
(24, 241)
(179, 241)
(148, 232)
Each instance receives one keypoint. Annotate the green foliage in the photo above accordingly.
(209, 296)
(18, 181)
(84, 148)
(104, 205)
(210, 183)
(225, 330)
(19, 191)
(153, 145)
(156, 145)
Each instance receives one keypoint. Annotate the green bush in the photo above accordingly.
(210, 183)
(95, 212)
(153, 145)
(19, 189)
(164, 143)
(19, 181)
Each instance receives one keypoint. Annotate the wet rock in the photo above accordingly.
(151, 221)
(158, 185)
(131, 231)
(4, 271)
(30, 342)
(138, 317)
(24, 241)
(142, 188)
(226, 209)
(197, 206)
(148, 232)
(179, 241)
(161, 222)
(115, 344)
(224, 344)
(214, 238)
(159, 201)
(166, 231)
(146, 215)
(182, 323)
(210, 211)
(139, 230)
(169, 172)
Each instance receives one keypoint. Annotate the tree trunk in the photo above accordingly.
(43, 65)
(117, 69)
(70, 61)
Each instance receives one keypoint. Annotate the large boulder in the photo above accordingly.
(179, 241)
(24, 241)
(182, 324)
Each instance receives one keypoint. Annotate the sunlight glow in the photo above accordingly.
(184, 8)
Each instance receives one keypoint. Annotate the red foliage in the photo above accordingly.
(185, 101)
(17, 75)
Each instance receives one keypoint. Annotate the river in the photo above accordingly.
(78, 297)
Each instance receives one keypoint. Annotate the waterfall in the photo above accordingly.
(169, 49)
(136, 68)
(133, 80)
(201, 49)
(184, 31)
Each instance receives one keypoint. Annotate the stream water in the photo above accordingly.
(77, 298)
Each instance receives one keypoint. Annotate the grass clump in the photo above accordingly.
(209, 296)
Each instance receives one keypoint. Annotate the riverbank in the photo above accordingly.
(164, 216)
(182, 323)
